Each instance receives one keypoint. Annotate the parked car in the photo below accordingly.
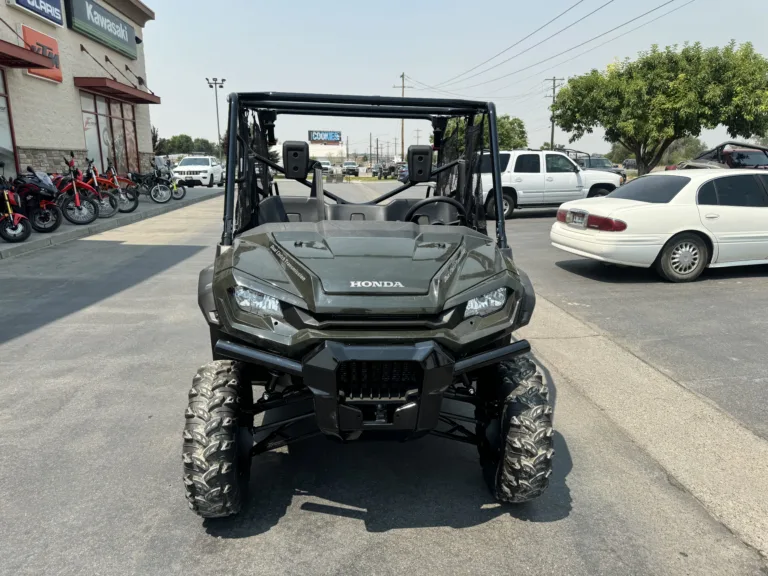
(326, 165)
(536, 178)
(600, 163)
(679, 222)
(350, 169)
(375, 170)
(402, 173)
(199, 170)
(629, 164)
(728, 155)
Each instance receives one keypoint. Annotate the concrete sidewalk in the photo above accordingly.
(704, 450)
(67, 231)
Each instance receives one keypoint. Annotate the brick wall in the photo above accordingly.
(48, 159)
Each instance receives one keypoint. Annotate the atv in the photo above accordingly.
(363, 320)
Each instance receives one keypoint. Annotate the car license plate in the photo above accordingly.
(576, 218)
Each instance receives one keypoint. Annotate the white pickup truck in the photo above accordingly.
(536, 178)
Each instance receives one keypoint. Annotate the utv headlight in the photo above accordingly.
(486, 303)
(256, 302)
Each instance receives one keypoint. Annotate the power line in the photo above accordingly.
(439, 90)
(513, 45)
(534, 46)
(580, 54)
(668, 2)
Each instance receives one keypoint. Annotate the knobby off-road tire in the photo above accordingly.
(515, 431)
(217, 441)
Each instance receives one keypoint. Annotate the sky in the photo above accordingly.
(363, 48)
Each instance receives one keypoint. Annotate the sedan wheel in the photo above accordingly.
(683, 258)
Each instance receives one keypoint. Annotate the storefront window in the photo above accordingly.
(7, 153)
(110, 133)
(91, 129)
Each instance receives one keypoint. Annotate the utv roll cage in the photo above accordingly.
(251, 125)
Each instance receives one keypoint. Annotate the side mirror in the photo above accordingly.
(296, 160)
(420, 163)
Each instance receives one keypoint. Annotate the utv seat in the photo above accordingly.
(275, 209)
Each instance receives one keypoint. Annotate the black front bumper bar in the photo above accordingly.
(345, 419)
(287, 366)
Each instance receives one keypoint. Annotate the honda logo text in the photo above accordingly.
(374, 284)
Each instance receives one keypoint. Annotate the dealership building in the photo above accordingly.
(72, 78)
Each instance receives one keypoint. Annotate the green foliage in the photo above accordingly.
(545, 146)
(666, 95)
(619, 153)
(512, 133)
(683, 149)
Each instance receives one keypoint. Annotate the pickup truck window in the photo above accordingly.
(528, 164)
(485, 163)
(557, 163)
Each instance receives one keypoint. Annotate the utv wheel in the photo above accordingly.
(683, 258)
(515, 431)
(217, 441)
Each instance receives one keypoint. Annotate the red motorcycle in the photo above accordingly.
(77, 199)
(109, 201)
(14, 226)
(38, 197)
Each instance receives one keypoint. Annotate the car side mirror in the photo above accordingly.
(420, 163)
(296, 160)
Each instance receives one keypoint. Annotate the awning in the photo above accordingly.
(13, 56)
(114, 89)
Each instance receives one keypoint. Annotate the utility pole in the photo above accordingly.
(370, 148)
(387, 150)
(554, 93)
(418, 133)
(402, 120)
(395, 149)
(377, 150)
(216, 84)
(347, 151)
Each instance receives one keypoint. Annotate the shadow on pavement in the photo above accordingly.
(43, 287)
(522, 214)
(616, 274)
(387, 486)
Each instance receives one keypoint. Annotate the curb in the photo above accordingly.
(102, 225)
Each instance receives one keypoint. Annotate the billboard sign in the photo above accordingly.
(325, 136)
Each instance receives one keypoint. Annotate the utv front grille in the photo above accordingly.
(378, 380)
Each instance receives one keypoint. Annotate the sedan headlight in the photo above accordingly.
(486, 303)
(257, 303)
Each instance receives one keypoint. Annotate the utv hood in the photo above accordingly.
(366, 258)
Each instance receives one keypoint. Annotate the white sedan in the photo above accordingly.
(679, 222)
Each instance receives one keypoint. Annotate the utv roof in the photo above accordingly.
(359, 106)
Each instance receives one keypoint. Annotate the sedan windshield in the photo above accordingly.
(600, 163)
(349, 164)
(195, 162)
(653, 189)
(747, 158)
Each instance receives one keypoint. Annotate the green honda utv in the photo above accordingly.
(354, 320)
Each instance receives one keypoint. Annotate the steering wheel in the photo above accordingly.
(409, 216)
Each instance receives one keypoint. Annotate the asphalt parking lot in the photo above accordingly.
(102, 335)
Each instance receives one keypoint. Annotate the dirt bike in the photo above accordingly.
(178, 191)
(151, 184)
(77, 199)
(128, 199)
(108, 200)
(38, 198)
(14, 226)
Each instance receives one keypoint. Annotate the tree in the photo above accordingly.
(207, 147)
(155, 137)
(683, 149)
(619, 153)
(512, 133)
(666, 95)
(180, 144)
(545, 146)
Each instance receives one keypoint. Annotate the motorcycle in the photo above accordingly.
(76, 199)
(109, 203)
(128, 199)
(38, 199)
(14, 226)
(178, 190)
(152, 185)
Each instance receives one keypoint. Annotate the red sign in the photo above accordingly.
(45, 46)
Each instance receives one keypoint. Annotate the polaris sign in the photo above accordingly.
(48, 10)
(325, 137)
(93, 21)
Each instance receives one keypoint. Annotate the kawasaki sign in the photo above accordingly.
(90, 19)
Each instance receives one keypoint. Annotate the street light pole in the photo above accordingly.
(216, 84)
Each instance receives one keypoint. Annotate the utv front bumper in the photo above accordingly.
(374, 387)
